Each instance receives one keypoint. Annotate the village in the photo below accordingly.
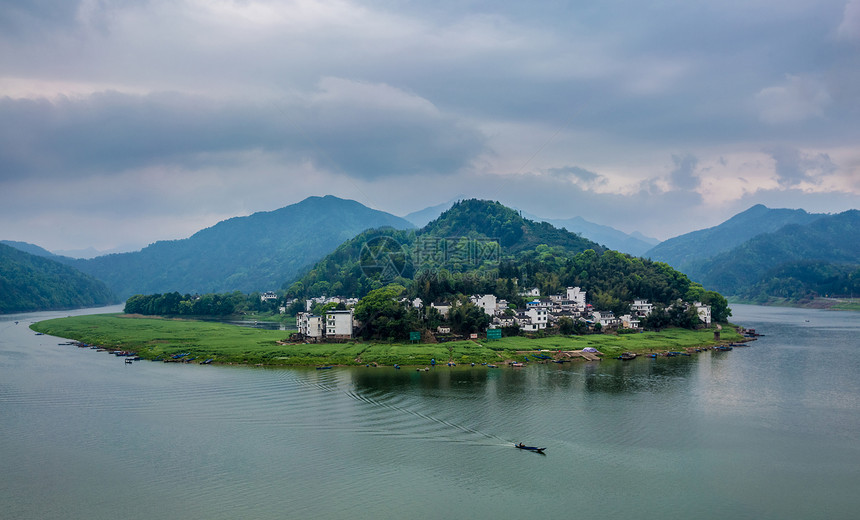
(539, 314)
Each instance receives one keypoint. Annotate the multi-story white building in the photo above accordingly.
(605, 318)
(641, 307)
(487, 302)
(576, 295)
(539, 317)
(309, 325)
(338, 324)
(704, 312)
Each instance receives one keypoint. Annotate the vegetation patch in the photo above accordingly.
(156, 338)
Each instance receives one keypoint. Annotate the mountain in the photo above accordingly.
(27, 247)
(635, 244)
(253, 253)
(422, 217)
(34, 283)
(473, 239)
(681, 251)
(787, 258)
(496, 221)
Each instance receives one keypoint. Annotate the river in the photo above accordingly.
(765, 432)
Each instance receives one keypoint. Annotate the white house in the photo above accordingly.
(576, 295)
(338, 324)
(704, 312)
(309, 325)
(605, 318)
(442, 307)
(268, 295)
(538, 317)
(630, 321)
(529, 293)
(641, 307)
(487, 302)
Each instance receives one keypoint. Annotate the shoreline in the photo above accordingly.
(223, 344)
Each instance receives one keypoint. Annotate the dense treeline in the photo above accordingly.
(32, 283)
(806, 280)
(175, 304)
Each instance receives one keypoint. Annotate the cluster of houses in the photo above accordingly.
(538, 314)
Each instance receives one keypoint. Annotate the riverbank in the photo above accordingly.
(835, 304)
(161, 339)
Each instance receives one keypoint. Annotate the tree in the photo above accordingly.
(383, 316)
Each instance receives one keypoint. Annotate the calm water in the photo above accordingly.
(766, 432)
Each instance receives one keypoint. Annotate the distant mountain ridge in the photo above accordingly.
(772, 262)
(31, 282)
(635, 244)
(27, 247)
(253, 253)
(682, 251)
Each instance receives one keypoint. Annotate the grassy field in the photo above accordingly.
(161, 338)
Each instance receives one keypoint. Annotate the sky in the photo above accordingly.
(127, 122)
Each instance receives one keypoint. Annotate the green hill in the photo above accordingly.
(682, 251)
(253, 253)
(795, 261)
(34, 283)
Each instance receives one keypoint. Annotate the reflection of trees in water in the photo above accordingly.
(640, 375)
(514, 385)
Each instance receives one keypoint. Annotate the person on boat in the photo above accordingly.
(521, 445)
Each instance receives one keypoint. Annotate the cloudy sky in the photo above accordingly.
(126, 122)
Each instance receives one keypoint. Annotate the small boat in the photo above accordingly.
(535, 449)
(128, 361)
(626, 356)
(517, 364)
(208, 361)
(324, 368)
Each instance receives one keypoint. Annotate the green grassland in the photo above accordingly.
(161, 338)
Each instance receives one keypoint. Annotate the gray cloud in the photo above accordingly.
(207, 109)
(344, 128)
(578, 175)
(684, 175)
(794, 166)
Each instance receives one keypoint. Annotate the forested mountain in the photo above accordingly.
(471, 237)
(33, 283)
(27, 247)
(681, 251)
(481, 218)
(253, 253)
(796, 261)
(633, 244)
